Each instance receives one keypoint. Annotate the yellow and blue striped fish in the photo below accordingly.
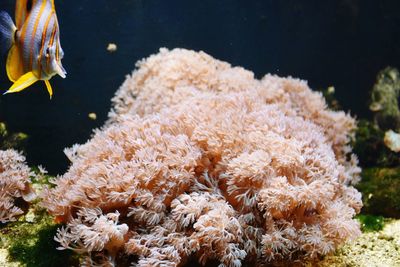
(33, 44)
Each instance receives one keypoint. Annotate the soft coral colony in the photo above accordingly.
(200, 161)
(15, 185)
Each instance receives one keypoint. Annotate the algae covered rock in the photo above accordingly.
(11, 140)
(370, 147)
(375, 146)
(384, 99)
(29, 242)
(380, 188)
(371, 223)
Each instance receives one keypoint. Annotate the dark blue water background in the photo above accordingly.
(343, 43)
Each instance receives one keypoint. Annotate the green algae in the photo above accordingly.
(11, 140)
(380, 177)
(30, 242)
(370, 223)
(380, 188)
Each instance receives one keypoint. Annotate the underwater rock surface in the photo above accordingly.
(29, 242)
(200, 160)
(384, 99)
(11, 140)
(381, 187)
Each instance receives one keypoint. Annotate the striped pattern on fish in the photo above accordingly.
(35, 53)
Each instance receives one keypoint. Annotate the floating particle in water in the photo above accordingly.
(112, 47)
(92, 116)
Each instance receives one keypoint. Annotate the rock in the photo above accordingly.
(392, 140)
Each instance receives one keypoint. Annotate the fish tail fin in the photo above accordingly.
(22, 83)
(7, 32)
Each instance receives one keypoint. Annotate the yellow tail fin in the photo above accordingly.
(22, 83)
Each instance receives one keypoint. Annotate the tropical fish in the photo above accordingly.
(33, 44)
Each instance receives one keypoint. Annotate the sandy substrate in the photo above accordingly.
(371, 249)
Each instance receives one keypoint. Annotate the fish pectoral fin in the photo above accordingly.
(49, 89)
(22, 83)
(14, 65)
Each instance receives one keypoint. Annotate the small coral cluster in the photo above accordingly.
(14, 185)
(201, 161)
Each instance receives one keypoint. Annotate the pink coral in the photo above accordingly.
(200, 160)
(14, 184)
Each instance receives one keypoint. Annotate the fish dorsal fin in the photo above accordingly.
(22, 10)
(14, 66)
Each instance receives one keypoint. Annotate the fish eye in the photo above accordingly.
(47, 51)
